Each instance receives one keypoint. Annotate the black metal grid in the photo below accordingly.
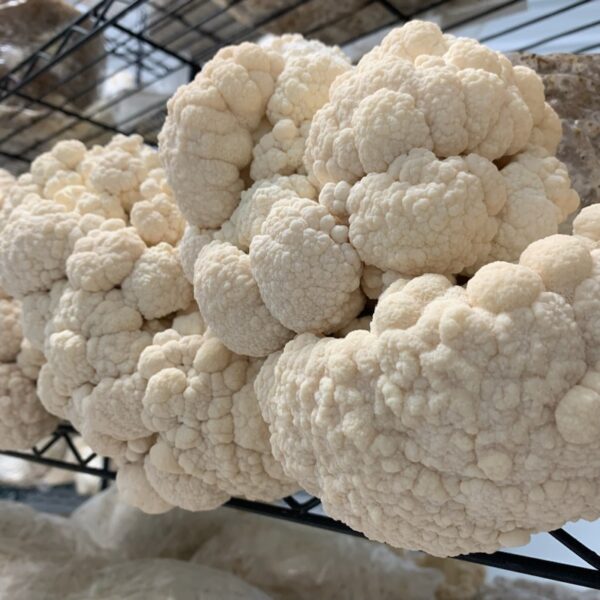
(160, 41)
(304, 509)
(166, 42)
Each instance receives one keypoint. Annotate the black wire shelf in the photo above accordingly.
(306, 510)
(156, 45)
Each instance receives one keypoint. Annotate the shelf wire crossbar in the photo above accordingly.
(53, 51)
(74, 462)
(160, 40)
(300, 508)
(156, 38)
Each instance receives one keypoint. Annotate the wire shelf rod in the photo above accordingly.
(543, 17)
(557, 36)
(57, 58)
(575, 546)
(340, 18)
(299, 512)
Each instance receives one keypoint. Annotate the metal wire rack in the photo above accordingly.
(152, 46)
(304, 509)
(149, 47)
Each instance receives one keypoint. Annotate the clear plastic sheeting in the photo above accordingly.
(292, 562)
(50, 557)
(11, 3)
(121, 529)
(27, 535)
(109, 550)
(147, 579)
(501, 588)
(156, 579)
(289, 562)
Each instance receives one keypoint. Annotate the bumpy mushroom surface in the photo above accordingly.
(432, 155)
(210, 440)
(87, 244)
(466, 419)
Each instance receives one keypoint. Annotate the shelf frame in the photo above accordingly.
(300, 509)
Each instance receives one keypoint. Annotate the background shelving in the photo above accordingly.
(304, 509)
(152, 46)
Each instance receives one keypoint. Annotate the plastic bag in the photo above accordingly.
(501, 588)
(294, 562)
(146, 579)
(34, 545)
(99, 553)
(50, 557)
(26, 534)
(122, 529)
(287, 561)
(160, 579)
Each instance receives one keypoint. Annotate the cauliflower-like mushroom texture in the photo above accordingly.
(135, 490)
(93, 343)
(465, 419)
(301, 89)
(207, 141)
(7, 183)
(51, 397)
(115, 407)
(307, 272)
(7, 180)
(283, 82)
(194, 239)
(103, 258)
(212, 440)
(176, 487)
(69, 192)
(156, 217)
(422, 89)
(425, 214)
(428, 215)
(432, 155)
(23, 420)
(93, 335)
(13, 193)
(156, 284)
(539, 198)
(586, 225)
(374, 281)
(34, 246)
(120, 168)
(280, 151)
(37, 310)
(454, 420)
(10, 330)
(403, 151)
(309, 69)
(230, 301)
(98, 272)
(257, 201)
(30, 360)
